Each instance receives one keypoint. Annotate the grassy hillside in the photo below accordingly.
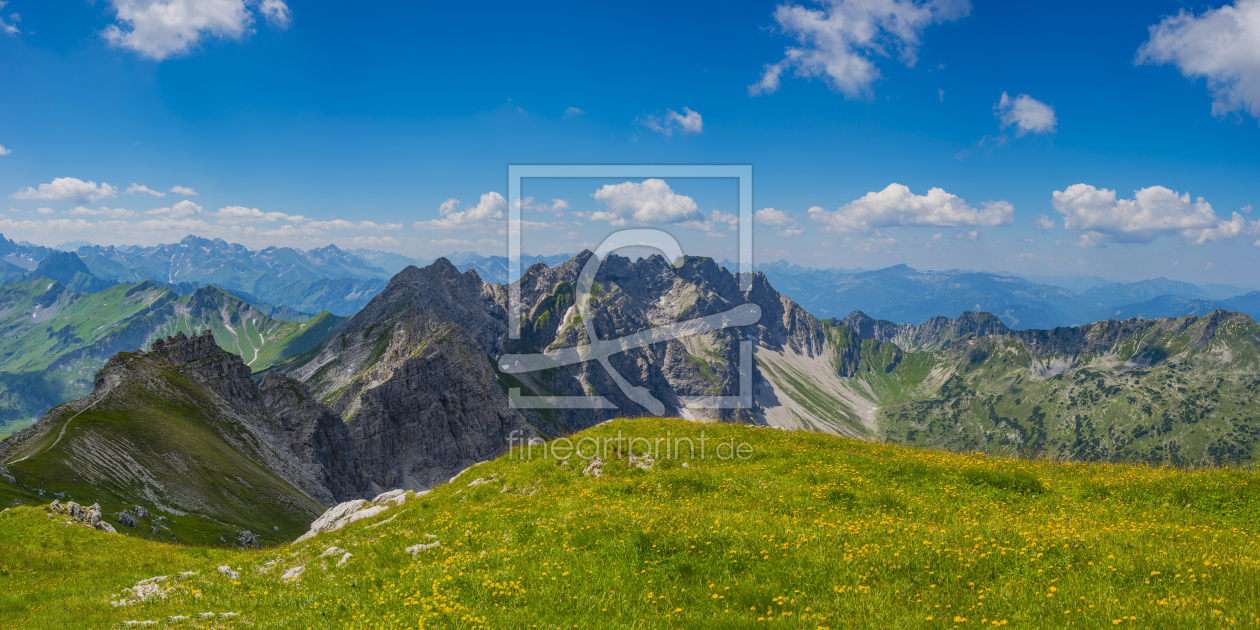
(164, 441)
(810, 531)
(1178, 391)
(52, 340)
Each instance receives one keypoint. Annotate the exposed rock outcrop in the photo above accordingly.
(316, 436)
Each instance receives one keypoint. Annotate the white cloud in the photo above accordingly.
(114, 213)
(1224, 231)
(1222, 46)
(651, 201)
(160, 29)
(44, 210)
(896, 206)
(9, 27)
(175, 224)
(489, 213)
(137, 189)
(184, 190)
(68, 189)
(1026, 114)
(839, 41)
(181, 209)
(4, 151)
(1099, 217)
(241, 214)
(276, 12)
(573, 112)
(717, 225)
(557, 206)
(339, 224)
(967, 235)
(688, 122)
(781, 219)
(1043, 223)
(1246, 208)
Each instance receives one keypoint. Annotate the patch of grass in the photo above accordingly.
(815, 531)
(1020, 482)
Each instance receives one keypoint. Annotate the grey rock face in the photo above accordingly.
(316, 436)
(441, 411)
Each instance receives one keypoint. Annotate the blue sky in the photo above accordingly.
(303, 123)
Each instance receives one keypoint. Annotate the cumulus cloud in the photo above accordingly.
(490, 212)
(1043, 223)
(4, 151)
(160, 29)
(180, 209)
(44, 211)
(783, 222)
(184, 191)
(68, 189)
(649, 201)
(839, 41)
(137, 189)
(896, 206)
(688, 122)
(1100, 217)
(1221, 45)
(1025, 114)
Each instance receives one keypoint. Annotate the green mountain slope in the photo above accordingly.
(1179, 391)
(180, 431)
(809, 531)
(53, 340)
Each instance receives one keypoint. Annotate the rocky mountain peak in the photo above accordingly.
(61, 266)
(197, 356)
(180, 348)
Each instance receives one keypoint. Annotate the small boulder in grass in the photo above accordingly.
(226, 570)
(414, 549)
(344, 559)
(397, 497)
(293, 573)
(331, 551)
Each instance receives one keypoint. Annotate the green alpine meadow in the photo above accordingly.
(808, 530)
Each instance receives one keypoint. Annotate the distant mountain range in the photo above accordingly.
(292, 284)
(905, 295)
